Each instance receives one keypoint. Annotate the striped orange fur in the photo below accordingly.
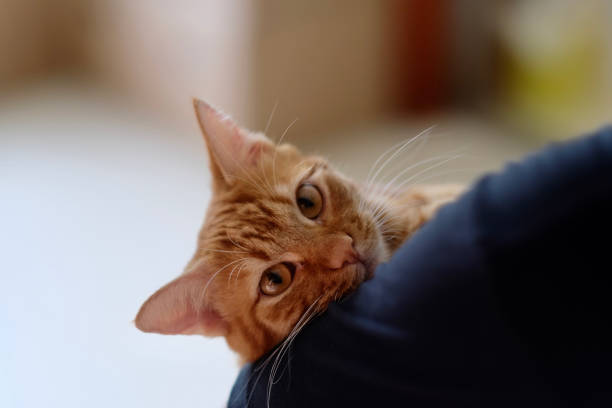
(254, 222)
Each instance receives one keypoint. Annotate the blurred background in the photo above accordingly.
(103, 175)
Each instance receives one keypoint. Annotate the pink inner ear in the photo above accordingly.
(234, 149)
(206, 323)
(255, 152)
(173, 309)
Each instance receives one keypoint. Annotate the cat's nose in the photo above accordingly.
(340, 251)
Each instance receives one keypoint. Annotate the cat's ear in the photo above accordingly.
(178, 308)
(232, 149)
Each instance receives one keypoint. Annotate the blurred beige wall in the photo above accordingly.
(162, 56)
(38, 36)
(321, 62)
(247, 56)
(325, 63)
(22, 47)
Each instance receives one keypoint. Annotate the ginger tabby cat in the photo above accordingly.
(284, 235)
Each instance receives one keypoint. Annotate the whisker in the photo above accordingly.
(370, 184)
(234, 242)
(259, 368)
(443, 173)
(242, 168)
(404, 171)
(399, 186)
(398, 151)
(270, 117)
(380, 157)
(398, 146)
(378, 207)
(280, 140)
(269, 186)
(239, 270)
(214, 275)
(290, 343)
(253, 183)
(306, 316)
(224, 251)
(229, 278)
(274, 355)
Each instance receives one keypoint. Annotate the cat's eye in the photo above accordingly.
(309, 200)
(276, 280)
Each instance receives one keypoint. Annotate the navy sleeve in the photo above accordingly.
(502, 300)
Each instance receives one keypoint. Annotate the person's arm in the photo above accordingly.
(501, 300)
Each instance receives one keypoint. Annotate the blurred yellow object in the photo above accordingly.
(554, 66)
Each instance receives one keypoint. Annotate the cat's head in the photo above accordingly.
(284, 232)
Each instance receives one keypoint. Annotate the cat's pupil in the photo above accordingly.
(305, 203)
(275, 278)
(309, 200)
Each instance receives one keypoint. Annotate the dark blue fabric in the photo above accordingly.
(502, 300)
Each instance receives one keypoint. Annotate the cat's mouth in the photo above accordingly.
(363, 268)
(367, 262)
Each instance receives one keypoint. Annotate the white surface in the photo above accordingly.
(99, 206)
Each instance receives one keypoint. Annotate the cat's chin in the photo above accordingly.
(361, 271)
(372, 261)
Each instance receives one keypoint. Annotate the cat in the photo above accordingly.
(284, 235)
